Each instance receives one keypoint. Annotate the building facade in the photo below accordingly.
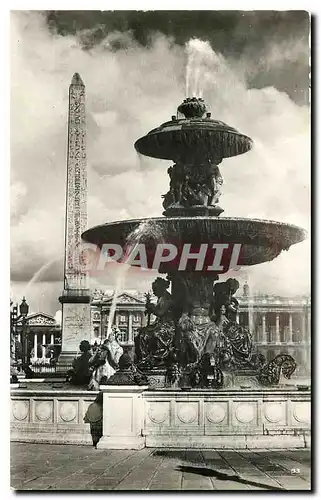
(129, 315)
(36, 334)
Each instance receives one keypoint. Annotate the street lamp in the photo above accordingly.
(24, 309)
(13, 356)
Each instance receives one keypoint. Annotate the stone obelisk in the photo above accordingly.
(75, 298)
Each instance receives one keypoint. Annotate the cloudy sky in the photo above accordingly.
(252, 69)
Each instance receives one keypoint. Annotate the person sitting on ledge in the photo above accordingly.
(80, 373)
(105, 360)
(127, 373)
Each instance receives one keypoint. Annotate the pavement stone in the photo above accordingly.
(70, 467)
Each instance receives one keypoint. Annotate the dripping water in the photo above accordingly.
(147, 230)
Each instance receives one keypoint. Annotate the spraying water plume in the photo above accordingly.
(201, 60)
(146, 232)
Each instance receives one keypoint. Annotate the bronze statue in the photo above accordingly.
(154, 342)
(214, 181)
(223, 296)
(193, 185)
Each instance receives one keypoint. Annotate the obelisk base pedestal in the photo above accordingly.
(76, 325)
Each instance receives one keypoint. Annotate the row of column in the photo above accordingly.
(264, 339)
(129, 326)
(35, 344)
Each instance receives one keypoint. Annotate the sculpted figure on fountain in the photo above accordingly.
(154, 342)
(193, 184)
(196, 336)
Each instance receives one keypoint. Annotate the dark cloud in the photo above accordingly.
(249, 35)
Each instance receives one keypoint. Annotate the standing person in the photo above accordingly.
(94, 417)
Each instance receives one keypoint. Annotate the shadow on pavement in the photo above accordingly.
(204, 471)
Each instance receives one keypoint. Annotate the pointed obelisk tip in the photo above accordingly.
(76, 80)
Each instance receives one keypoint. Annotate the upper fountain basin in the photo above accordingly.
(192, 139)
(260, 240)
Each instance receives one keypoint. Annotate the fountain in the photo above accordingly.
(195, 339)
(195, 343)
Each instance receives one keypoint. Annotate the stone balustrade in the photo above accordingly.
(50, 416)
(246, 418)
(135, 417)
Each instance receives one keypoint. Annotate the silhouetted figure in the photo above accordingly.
(94, 417)
(80, 373)
(127, 373)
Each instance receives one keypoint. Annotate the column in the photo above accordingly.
(303, 329)
(101, 325)
(251, 316)
(130, 328)
(309, 325)
(308, 344)
(35, 338)
(43, 348)
(52, 339)
(291, 327)
(238, 318)
(277, 328)
(264, 338)
(116, 319)
(304, 344)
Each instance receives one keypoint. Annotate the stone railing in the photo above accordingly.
(50, 416)
(135, 417)
(227, 418)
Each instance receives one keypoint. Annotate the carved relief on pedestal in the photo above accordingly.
(76, 325)
(246, 412)
(275, 412)
(187, 413)
(302, 412)
(68, 411)
(216, 413)
(20, 410)
(158, 413)
(43, 410)
(156, 381)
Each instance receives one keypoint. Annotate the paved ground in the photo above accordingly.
(69, 467)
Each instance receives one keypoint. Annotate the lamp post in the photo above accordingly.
(13, 356)
(24, 309)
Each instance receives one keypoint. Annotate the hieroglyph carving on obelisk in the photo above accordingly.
(75, 300)
(76, 207)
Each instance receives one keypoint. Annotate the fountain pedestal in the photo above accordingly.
(123, 417)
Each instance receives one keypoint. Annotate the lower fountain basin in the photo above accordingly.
(260, 240)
